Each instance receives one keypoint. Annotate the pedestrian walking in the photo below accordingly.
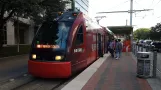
(118, 49)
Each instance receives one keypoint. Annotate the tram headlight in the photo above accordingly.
(38, 46)
(57, 58)
(33, 56)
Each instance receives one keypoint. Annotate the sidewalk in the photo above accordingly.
(112, 75)
(117, 75)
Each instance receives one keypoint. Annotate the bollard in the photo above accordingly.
(146, 49)
(154, 63)
(142, 48)
(133, 48)
(136, 50)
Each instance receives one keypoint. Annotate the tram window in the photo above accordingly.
(79, 37)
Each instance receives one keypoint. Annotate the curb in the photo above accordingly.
(79, 82)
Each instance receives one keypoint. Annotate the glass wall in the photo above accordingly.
(82, 5)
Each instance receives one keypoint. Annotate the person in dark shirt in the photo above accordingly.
(118, 48)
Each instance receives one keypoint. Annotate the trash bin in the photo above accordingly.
(144, 59)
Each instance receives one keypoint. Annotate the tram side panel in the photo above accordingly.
(78, 54)
(94, 47)
(89, 47)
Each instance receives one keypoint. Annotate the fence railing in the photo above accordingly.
(156, 57)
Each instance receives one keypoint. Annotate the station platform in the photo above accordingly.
(108, 73)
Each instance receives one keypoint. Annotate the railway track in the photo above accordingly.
(28, 82)
(41, 84)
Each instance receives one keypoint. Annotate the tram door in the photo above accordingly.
(100, 54)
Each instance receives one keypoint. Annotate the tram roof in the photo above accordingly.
(121, 29)
(109, 31)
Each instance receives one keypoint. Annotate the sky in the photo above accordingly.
(144, 19)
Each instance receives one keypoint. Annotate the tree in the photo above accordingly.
(9, 8)
(155, 32)
(28, 8)
(142, 33)
(49, 10)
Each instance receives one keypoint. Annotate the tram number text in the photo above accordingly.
(78, 50)
(94, 47)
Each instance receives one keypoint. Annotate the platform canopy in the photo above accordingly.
(109, 31)
(122, 30)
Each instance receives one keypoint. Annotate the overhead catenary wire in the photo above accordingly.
(154, 7)
(151, 3)
(119, 4)
(156, 4)
(140, 12)
(143, 17)
(139, 5)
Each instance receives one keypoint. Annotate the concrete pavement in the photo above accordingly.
(13, 66)
(113, 75)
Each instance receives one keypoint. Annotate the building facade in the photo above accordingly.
(21, 32)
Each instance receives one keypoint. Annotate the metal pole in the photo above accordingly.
(154, 63)
(18, 47)
(73, 5)
(131, 11)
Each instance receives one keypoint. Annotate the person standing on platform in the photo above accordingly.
(118, 49)
(111, 48)
(108, 49)
(115, 42)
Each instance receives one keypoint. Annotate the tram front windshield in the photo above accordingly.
(54, 34)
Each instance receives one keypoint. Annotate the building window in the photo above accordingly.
(79, 37)
(4, 35)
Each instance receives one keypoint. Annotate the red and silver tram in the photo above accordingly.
(66, 45)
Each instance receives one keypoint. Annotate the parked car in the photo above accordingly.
(147, 43)
(140, 42)
(155, 46)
